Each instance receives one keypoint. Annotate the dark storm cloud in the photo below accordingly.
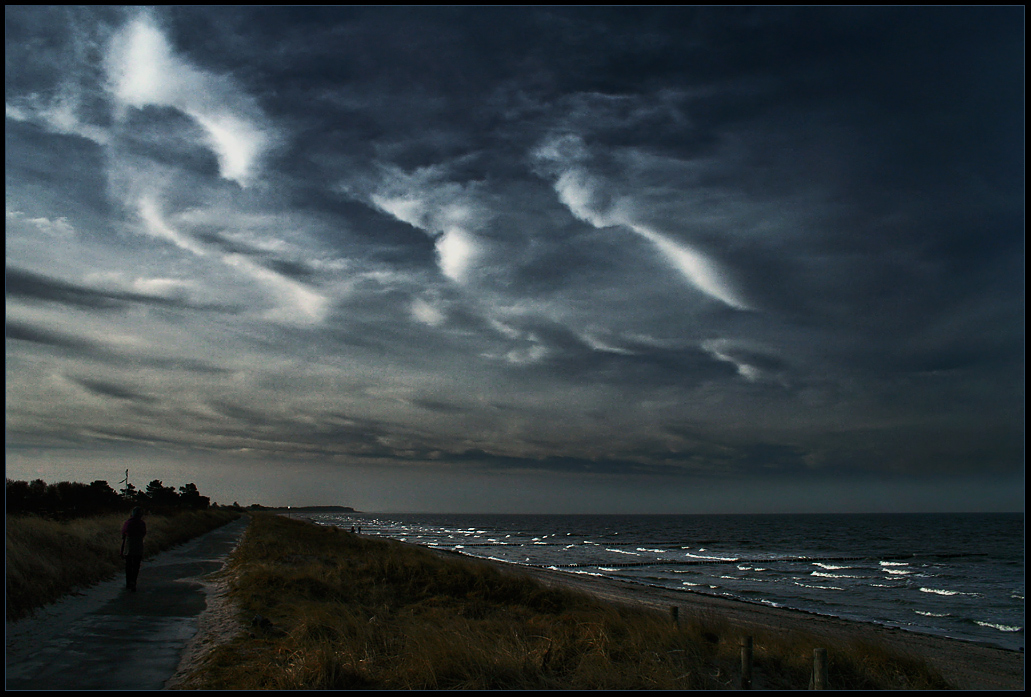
(32, 286)
(25, 284)
(92, 350)
(563, 464)
(107, 389)
(20, 331)
(297, 270)
(744, 242)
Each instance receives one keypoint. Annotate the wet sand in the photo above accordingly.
(965, 665)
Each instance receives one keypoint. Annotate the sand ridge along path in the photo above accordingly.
(105, 638)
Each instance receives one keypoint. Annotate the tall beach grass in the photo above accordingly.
(46, 559)
(332, 610)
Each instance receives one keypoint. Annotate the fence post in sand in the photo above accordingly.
(674, 612)
(819, 669)
(746, 663)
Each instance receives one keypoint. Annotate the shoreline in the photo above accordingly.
(965, 664)
(962, 664)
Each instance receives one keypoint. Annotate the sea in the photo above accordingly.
(953, 575)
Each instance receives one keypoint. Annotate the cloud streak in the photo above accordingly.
(586, 198)
(144, 71)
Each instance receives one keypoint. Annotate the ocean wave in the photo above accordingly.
(939, 591)
(1000, 627)
(881, 587)
(816, 587)
(711, 558)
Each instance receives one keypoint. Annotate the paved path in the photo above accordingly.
(108, 639)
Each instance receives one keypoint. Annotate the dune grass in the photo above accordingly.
(46, 559)
(331, 610)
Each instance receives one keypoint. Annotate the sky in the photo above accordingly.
(520, 259)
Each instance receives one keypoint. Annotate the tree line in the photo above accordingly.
(65, 500)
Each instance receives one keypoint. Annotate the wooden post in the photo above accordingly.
(674, 612)
(746, 663)
(819, 669)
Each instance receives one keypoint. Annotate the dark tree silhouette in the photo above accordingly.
(65, 500)
(160, 495)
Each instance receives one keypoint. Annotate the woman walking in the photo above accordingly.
(133, 532)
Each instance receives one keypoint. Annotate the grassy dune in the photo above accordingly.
(46, 559)
(340, 611)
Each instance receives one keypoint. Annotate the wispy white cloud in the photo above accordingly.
(701, 271)
(143, 70)
(752, 364)
(57, 227)
(604, 346)
(588, 198)
(155, 225)
(456, 251)
(445, 210)
(427, 312)
(61, 114)
(298, 304)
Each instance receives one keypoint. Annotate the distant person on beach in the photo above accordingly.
(133, 532)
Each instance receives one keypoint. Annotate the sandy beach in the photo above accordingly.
(965, 665)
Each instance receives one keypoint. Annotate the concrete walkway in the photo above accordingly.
(106, 638)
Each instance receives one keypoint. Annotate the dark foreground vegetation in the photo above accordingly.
(327, 609)
(60, 537)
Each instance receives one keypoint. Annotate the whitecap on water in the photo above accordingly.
(1000, 627)
(940, 591)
